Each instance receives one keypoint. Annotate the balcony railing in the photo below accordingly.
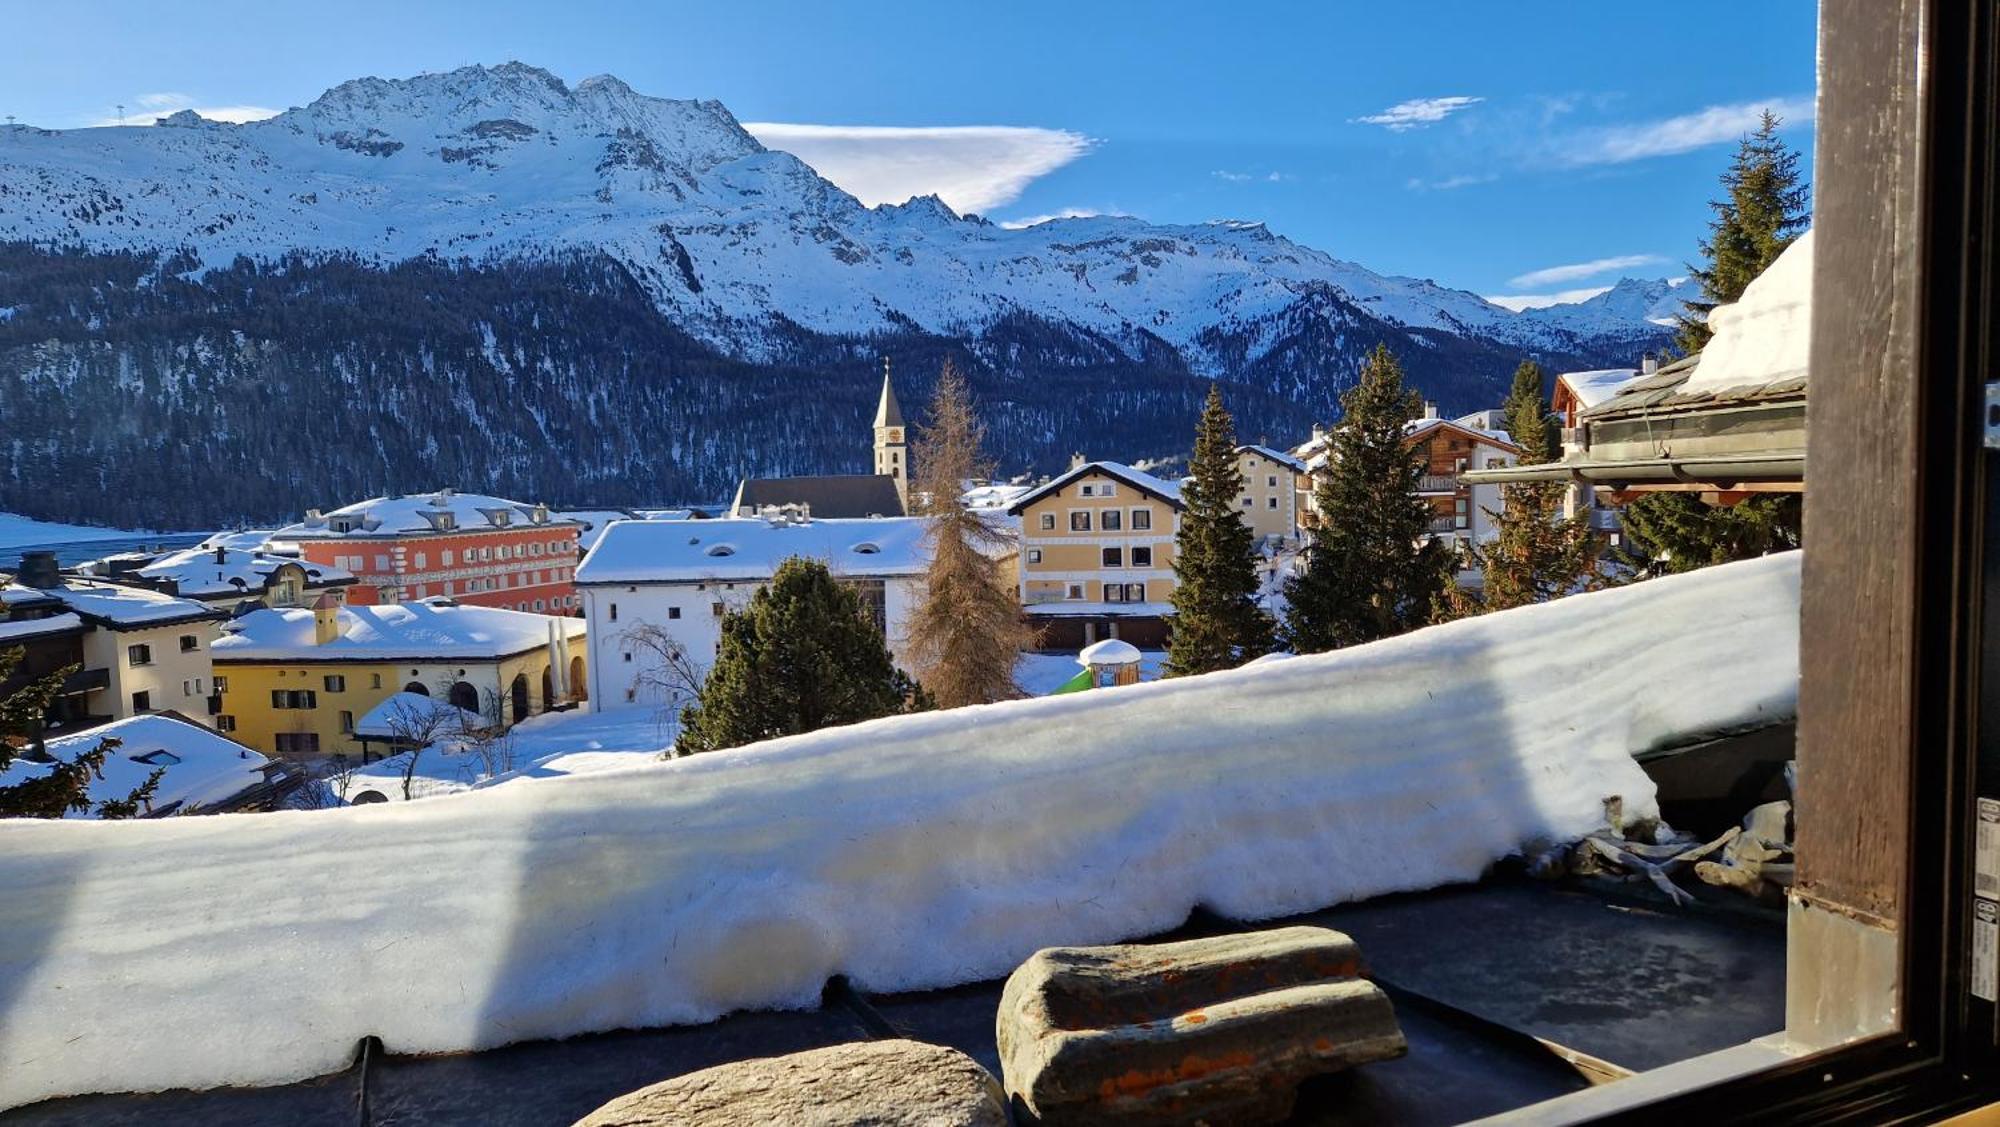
(1444, 524)
(1437, 483)
(86, 681)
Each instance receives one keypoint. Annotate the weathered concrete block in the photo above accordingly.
(876, 1083)
(1216, 1030)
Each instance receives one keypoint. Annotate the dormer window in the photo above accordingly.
(868, 549)
(722, 550)
(160, 758)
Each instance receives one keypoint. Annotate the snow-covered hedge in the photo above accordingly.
(914, 852)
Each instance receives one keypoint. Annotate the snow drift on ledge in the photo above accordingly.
(906, 853)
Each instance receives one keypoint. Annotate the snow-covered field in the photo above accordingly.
(17, 531)
(906, 853)
(541, 747)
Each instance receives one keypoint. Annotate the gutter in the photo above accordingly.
(1718, 471)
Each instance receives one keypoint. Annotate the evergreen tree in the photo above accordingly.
(1371, 570)
(65, 786)
(803, 655)
(1217, 622)
(966, 632)
(1673, 532)
(1536, 553)
(1762, 210)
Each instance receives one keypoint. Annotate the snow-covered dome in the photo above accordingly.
(1111, 651)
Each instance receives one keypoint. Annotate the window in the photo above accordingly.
(1463, 517)
(1034, 555)
(280, 699)
(423, 561)
(614, 612)
(1087, 491)
(1142, 520)
(374, 680)
(445, 557)
(1248, 502)
(717, 608)
(1114, 557)
(1048, 522)
(1272, 503)
(627, 657)
(539, 605)
(1135, 592)
(190, 688)
(335, 683)
(160, 758)
(190, 643)
(140, 654)
(298, 743)
(221, 684)
(142, 701)
(1114, 592)
(225, 723)
(1079, 520)
(1111, 520)
(294, 698)
(673, 612)
(1272, 481)
(1142, 556)
(347, 722)
(1075, 591)
(381, 563)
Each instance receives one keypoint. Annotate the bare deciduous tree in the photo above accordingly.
(666, 673)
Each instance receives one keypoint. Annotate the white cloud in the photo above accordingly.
(1065, 213)
(1520, 301)
(1448, 183)
(970, 167)
(1417, 112)
(1712, 125)
(145, 109)
(1577, 271)
(1246, 177)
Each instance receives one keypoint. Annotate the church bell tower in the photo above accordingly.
(892, 452)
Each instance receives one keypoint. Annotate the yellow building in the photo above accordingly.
(293, 682)
(1275, 489)
(1097, 555)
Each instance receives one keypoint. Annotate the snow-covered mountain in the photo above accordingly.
(585, 295)
(724, 234)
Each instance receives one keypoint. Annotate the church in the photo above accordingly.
(884, 493)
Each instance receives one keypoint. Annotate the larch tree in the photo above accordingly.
(51, 786)
(1217, 621)
(1536, 553)
(804, 654)
(1763, 209)
(966, 632)
(1371, 569)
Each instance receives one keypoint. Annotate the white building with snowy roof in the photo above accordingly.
(651, 579)
(478, 549)
(220, 576)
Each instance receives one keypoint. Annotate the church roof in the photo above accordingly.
(837, 496)
(888, 413)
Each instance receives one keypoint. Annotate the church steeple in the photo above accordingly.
(891, 451)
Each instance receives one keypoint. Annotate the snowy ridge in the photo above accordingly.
(731, 240)
(907, 853)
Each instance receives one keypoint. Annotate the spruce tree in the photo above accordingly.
(803, 655)
(64, 787)
(1762, 210)
(1536, 554)
(966, 632)
(1674, 532)
(1217, 622)
(1371, 570)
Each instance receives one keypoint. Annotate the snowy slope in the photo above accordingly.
(730, 238)
(906, 853)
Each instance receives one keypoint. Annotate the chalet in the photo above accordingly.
(1575, 393)
(1451, 449)
(676, 580)
(1097, 554)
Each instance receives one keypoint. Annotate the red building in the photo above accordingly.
(481, 551)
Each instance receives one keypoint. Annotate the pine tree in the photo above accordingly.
(1762, 210)
(1674, 532)
(803, 655)
(966, 632)
(1217, 622)
(1371, 570)
(65, 786)
(1536, 554)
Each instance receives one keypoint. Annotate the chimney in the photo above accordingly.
(221, 554)
(326, 620)
(1648, 366)
(1430, 410)
(1076, 461)
(39, 570)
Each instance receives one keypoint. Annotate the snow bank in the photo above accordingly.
(1765, 337)
(907, 853)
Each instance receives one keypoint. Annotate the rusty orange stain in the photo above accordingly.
(1139, 1082)
(1194, 1017)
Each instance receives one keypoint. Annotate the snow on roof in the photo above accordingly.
(118, 605)
(405, 714)
(196, 571)
(417, 513)
(245, 540)
(1111, 651)
(431, 628)
(1170, 490)
(593, 523)
(35, 627)
(1594, 387)
(1764, 337)
(998, 495)
(762, 868)
(751, 548)
(202, 766)
(1417, 428)
(1278, 456)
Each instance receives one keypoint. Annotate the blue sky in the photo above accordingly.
(1503, 148)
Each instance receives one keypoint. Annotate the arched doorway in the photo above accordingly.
(577, 691)
(548, 688)
(418, 688)
(464, 696)
(519, 692)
